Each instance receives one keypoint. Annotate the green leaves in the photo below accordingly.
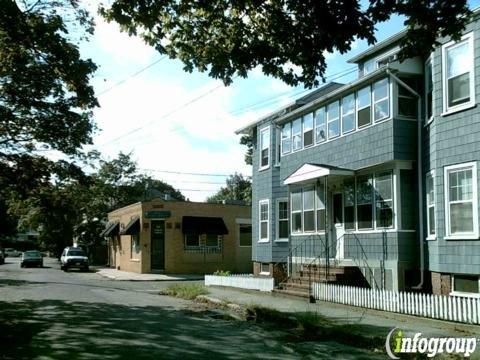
(230, 38)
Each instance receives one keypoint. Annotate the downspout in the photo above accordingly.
(419, 174)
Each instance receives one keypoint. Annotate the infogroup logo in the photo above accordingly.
(396, 344)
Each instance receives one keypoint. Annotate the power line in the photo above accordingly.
(190, 173)
(132, 76)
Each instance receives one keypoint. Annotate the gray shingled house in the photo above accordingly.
(374, 183)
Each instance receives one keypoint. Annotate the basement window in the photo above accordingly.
(465, 284)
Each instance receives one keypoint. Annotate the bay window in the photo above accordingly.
(282, 219)
(333, 120)
(320, 125)
(309, 209)
(297, 134)
(264, 148)
(461, 200)
(384, 199)
(296, 205)
(430, 187)
(263, 220)
(286, 138)
(348, 113)
(458, 79)
(364, 101)
(407, 102)
(364, 202)
(381, 101)
(308, 130)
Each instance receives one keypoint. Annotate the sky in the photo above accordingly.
(179, 126)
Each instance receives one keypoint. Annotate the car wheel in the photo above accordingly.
(86, 269)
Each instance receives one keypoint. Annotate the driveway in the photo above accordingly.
(48, 314)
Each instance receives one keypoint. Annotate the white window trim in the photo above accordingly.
(260, 167)
(192, 246)
(278, 146)
(299, 133)
(353, 112)
(312, 130)
(293, 233)
(461, 293)
(430, 236)
(427, 63)
(264, 272)
(324, 124)
(463, 236)
(388, 98)
(279, 200)
(309, 188)
(317, 208)
(338, 118)
(392, 173)
(358, 108)
(450, 110)
(362, 230)
(379, 58)
(260, 203)
(283, 152)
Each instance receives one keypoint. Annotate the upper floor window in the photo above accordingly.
(297, 134)
(407, 101)
(364, 101)
(381, 100)
(333, 120)
(287, 138)
(264, 148)
(458, 79)
(278, 146)
(348, 113)
(320, 125)
(461, 202)
(428, 89)
(368, 66)
(308, 130)
(430, 186)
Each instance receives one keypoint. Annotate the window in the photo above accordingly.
(348, 113)
(282, 219)
(296, 204)
(461, 200)
(264, 148)
(333, 120)
(245, 234)
(458, 79)
(265, 269)
(309, 209)
(349, 204)
(297, 134)
(308, 130)
(320, 206)
(278, 147)
(465, 284)
(381, 100)
(286, 138)
(263, 217)
(430, 186)
(192, 240)
(384, 199)
(365, 202)
(428, 89)
(320, 125)
(135, 246)
(368, 66)
(386, 60)
(364, 101)
(407, 102)
(212, 240)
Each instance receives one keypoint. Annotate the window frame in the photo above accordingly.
(300, 134)
(430, 236)
(358, 108)
(469, 38)
(304, 191)
(462, 293)
(283, 138)
(312, 129)
(353, 112)
(292, 232)
(239, 225)
(278, 146)
(428, 63)
(190, 247)
(370, 177)
(392, 199)
(375, 101)
(287, 219)
(448, 233)
(262, 131)
(337, 119)
(325, 131)
(260, 203)
(135, 238)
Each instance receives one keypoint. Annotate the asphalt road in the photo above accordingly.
(46, 313)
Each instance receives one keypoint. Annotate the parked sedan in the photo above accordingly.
(32, 258)
(12, 252)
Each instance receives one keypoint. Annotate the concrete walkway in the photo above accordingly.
(119, 275)
(379, 321)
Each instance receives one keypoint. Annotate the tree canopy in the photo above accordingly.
(237, 188)
(229, 38)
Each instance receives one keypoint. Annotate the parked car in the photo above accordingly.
(12, 252)
(32, 258)
(73, 257)
(2, 257)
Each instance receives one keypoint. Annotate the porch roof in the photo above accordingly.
(308, 172)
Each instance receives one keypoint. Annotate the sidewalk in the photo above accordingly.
(380, 321)
(119, 275)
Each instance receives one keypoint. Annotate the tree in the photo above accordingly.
(237, 188)
(45, 96)
(229, 38)
(247, 141)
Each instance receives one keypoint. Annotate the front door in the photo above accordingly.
(157, 237)
(338, 225)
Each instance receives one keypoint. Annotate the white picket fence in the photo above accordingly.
(451, 308)
(242, 281)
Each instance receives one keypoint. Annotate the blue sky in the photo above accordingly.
(148, 115)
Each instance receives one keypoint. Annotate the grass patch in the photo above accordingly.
(185, 291)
